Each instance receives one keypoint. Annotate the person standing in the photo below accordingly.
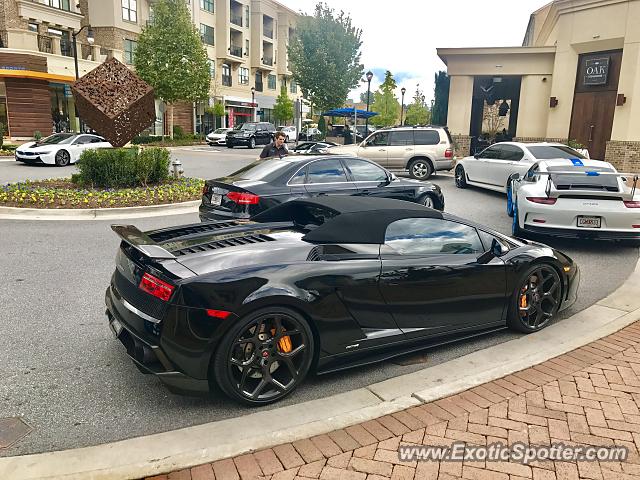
(277, 148)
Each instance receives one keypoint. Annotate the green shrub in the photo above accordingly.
(37, 135)
(122, 167)
(178, 132)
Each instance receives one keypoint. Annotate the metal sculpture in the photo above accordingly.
(115, 102)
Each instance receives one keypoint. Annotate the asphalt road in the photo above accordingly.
(62, 370)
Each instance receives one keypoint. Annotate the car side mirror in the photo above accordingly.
(476, 156)
(515, 176)
(497, 250)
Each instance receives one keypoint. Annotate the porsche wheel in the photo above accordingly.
(509, 200)
(264, 357)
(420, 169)
(536, 300)
(460, 177)
(516, 231)
(63, 158)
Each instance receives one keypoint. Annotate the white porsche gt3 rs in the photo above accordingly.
(59, 149)
(575, 198)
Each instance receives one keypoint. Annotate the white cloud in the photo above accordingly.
(402, 36)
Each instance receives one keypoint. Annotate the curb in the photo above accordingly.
(17, 213)
(170, 451)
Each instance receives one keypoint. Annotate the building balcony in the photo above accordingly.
(66, 47)
(236, 19)
(235, 51)
(267, 61)
(34, 10)
(259, 87)
(45, 44)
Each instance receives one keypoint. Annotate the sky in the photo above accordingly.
(402, 35)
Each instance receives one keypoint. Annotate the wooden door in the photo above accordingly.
(594, 103)
(592, 121)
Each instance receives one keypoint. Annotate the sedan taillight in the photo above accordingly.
(632, 203)
(243, 198)
(543, 200)
(205, 189)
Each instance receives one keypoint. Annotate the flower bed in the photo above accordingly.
(61, 193)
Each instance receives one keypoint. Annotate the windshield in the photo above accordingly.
(57, 138)
(547, 152)
(585, 178)
(250, 127)
(221, 130)
(265, 170)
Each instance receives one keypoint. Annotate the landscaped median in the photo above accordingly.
(108, 178)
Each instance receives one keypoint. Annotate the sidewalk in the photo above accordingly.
(589, 397)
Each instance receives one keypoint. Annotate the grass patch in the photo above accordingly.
(62, 193)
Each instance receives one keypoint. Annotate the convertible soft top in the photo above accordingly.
(345, 219)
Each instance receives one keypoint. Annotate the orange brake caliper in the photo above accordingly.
(284, 344)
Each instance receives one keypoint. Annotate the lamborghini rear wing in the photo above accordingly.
(142, 242)
(625, 192)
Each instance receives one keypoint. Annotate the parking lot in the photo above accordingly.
(72, 381)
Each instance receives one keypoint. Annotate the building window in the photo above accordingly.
(129, 51)
(246, 48)
(129, 10)
(33, 27)
(61, 4)
(226, 75)
(283, 83)
(246, 14)
(259, 86)
(293, 87)
(212, 68)
(271, 82)
(206, 32)
(206, 5)
(243, 76)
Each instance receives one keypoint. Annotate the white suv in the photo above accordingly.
(419, 150)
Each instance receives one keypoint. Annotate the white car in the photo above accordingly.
(59, 149)
(218, 137)
(492, 167)
(290, 132)
(575, 198)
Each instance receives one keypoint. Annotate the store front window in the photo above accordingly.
(63, 111)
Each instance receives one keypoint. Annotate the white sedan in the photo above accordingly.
(290, 132)
(575, 198)
(492, 167)
(59, 149)
(218, 137)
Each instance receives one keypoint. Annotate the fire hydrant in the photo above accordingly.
(176, 168)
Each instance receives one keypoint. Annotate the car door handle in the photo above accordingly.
(408, 149)
(382, 149)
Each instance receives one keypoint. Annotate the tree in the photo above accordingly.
(385, 103)
(283, 108)
(363, 98)
(417, 112)
(324, 56)
(492, 121)
(171, 57)
(440, 106)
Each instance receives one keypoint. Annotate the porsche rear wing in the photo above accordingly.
(627, 192)
(142, 242)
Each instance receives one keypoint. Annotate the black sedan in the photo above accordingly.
(317, 286)
(267, 183)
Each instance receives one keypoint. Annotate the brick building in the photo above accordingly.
(246, 41)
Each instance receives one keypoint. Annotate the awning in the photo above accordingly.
(349, 112)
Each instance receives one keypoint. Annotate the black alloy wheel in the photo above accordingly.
(229, 145)
(460, 177)
(264, 357)
(252, 142)
(428, 201)
(536, 300)
(63, 158)
(420, 169)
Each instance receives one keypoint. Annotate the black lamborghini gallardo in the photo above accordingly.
(319, 285)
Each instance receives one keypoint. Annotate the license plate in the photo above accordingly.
(116, 327)
(589, 222)
(216, 199)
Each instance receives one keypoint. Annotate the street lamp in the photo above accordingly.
(90, 39)
(253, 102)
(366, 124)
(403, 91)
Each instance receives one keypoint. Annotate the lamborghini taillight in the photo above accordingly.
(156, 287)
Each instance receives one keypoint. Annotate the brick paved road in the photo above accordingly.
(590, 396)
